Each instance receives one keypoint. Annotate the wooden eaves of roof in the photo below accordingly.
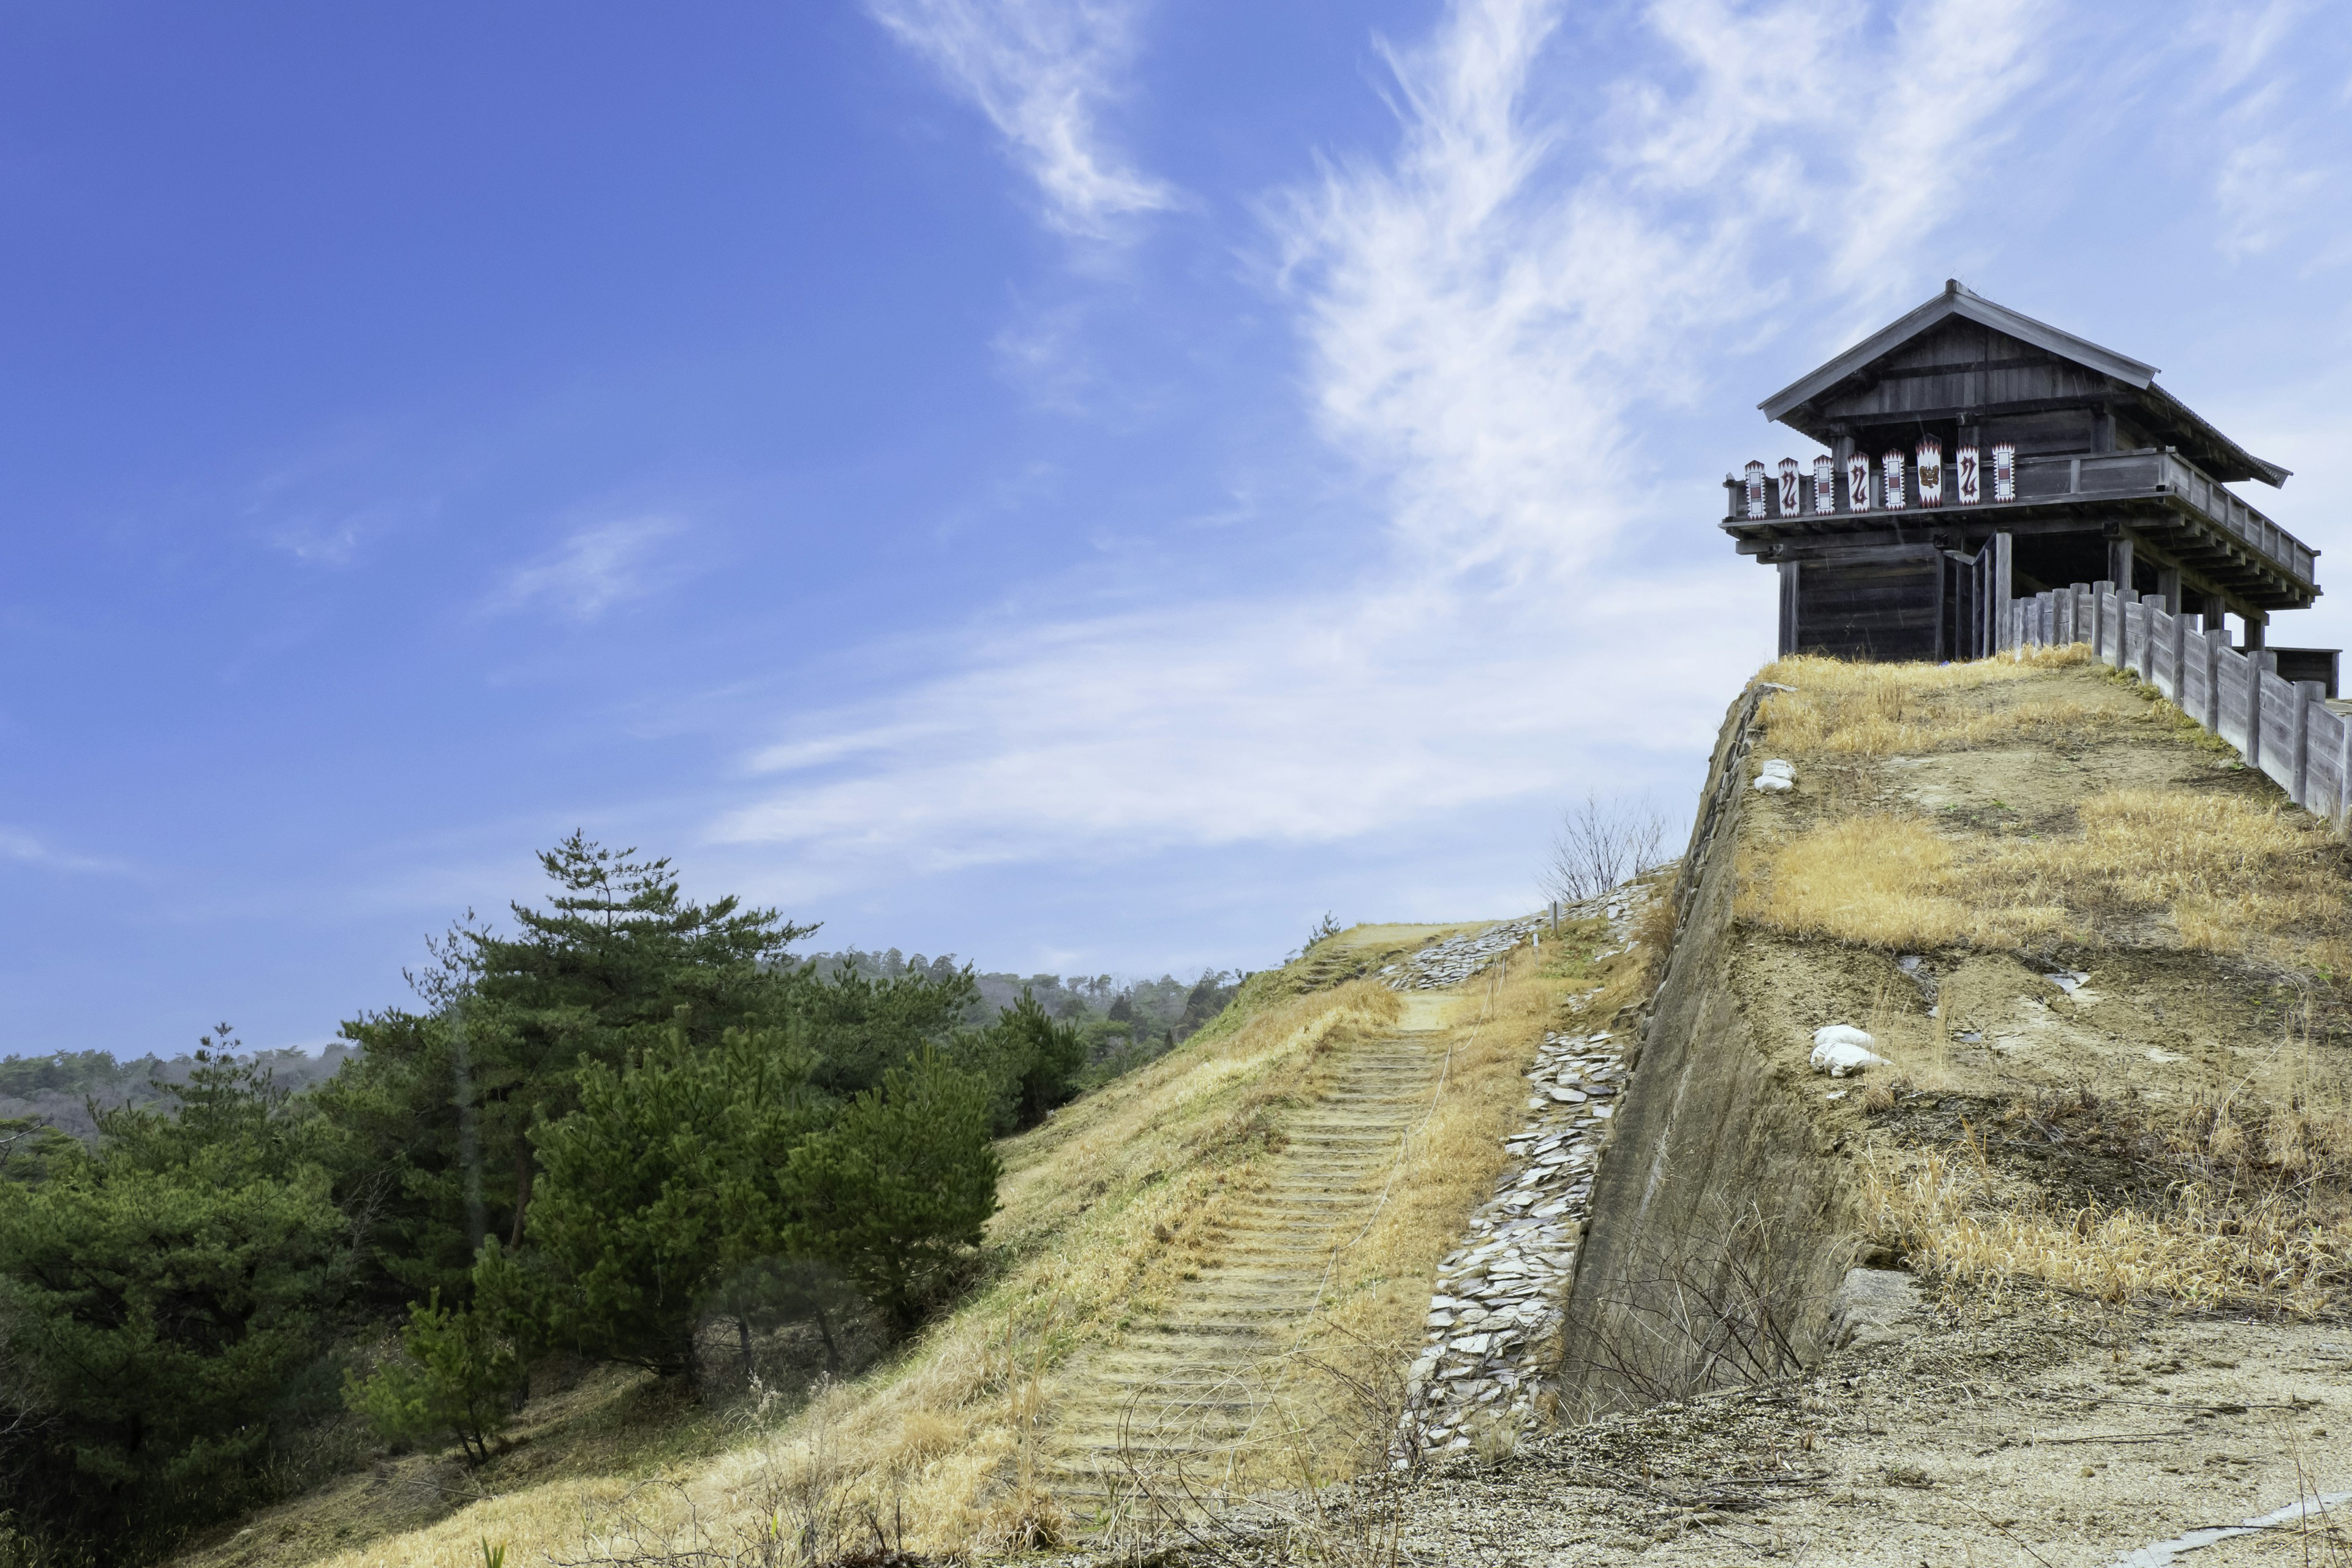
(1794, 404)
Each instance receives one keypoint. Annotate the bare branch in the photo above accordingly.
(1602, 843)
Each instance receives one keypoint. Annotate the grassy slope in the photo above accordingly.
(2129, 1207)
(2180, 1127)
(1103, 1210)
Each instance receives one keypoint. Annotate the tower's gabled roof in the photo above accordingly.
(2134, 381)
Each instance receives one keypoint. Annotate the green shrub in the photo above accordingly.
(460, 1378)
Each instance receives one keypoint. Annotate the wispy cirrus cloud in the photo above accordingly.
(2270, 123)
(1498, 318)
(594, 570)
(1041, 70)
(30, 850)
(1321, 719)
(1493, 311)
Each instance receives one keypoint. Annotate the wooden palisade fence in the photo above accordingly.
(2285, 728)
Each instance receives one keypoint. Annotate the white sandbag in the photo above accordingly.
(1841, 1048)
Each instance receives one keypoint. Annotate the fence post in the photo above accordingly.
(2101, 600)
(2253, 709)
(2213, 641)
(2179, 646)
(2305, 691)
(2344, 773)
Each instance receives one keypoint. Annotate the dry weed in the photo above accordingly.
(1887, 709)
(2206, 1248)
(1104, 1210)
(2228, 873)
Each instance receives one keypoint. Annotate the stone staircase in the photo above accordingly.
(1181, 1395)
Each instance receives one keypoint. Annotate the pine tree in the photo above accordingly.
(663, 1186)
(603, 971)
(166, 1299)
(895, 1192)
(460, 1376)
(1028, 1060)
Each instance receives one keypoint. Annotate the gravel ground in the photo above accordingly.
(2054, 1433)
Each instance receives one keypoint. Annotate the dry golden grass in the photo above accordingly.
(1447, 1167)
(2278, 1246)
(1087, 1202)
(1839, 709)
(1872, 878)
(1104, 1210)
(2244, 1201)
(2227, 873)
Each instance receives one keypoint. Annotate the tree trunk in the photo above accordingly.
(743, 1337)
(523, 1190)
(824, 1329)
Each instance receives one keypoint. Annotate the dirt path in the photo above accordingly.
(1185, 1389)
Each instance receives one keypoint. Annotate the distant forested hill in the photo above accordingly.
(1126, 1021)
(60, 1089)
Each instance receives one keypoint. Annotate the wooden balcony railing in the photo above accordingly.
(2156, 474)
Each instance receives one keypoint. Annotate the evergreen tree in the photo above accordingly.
(601, 971)
(662, 1188)
(859, 1026)
(1028, 1060)
(896, 1191)
(165, 1299)
(442, 1103)
(460, 1376)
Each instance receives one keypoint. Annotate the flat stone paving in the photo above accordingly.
(1490, 1352)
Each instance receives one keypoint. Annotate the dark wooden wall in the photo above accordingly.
(1886, 607)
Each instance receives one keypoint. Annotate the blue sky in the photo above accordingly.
(1086, 486)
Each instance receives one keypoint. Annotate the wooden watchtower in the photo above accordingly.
(1976, 454)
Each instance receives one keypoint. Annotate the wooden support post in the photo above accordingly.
(2119, 562)
(1788, 570)
(2168, 587)
(2103, 598)
(2004, 578)
(2257, 624)
(2215, 640)
(2214, 611)
(2307, 692)
(2344, 774)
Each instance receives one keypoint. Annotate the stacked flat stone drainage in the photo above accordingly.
(1489, 1354)
(1457, 958)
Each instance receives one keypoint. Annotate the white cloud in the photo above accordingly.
(2256, 112)
(1494, 319)
(1313, 721)
(31, 850)
(1042, 71)
(594, 570)
(1495, 312)
(2266, 197)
